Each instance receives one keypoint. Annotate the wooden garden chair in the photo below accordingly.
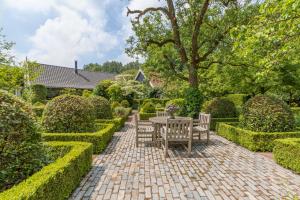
(177, 131)
(143, 130)
(202, 125)
(161, 114)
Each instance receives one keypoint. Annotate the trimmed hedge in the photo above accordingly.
(137, 103)
(146, 116)
(287, 153)
(99, 139)
(215, 121)
(38, 109)
(254, 141)
(57, 180)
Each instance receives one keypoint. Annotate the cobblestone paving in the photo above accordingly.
(220, 170)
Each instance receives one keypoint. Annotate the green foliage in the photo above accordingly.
(71, 91)
(287, 153)
(87, 93)
(101, 88)
(162, 102)
(220, 108)
(125, 103)
(179, 103)
(146, 116)
(254, 141)
(111, 67)
(101, 107)
(238, 99)
(57, 180)
(38, 108)
(6, 56)
(115, 104)
(20, 141)
(115, 92)
(193, 100)
(99, 139)
(263, 113)
(10, 77)
(121, 111)
(35, 93)
(296, 110)
(215, 121)
(148, 108)
(68, 113)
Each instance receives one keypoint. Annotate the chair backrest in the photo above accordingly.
(204, 120)
(179, 128)
(161, 114)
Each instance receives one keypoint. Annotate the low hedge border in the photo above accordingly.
(287, 153)
(99, 139)
(57, 180)
(215, 121)
(146, 116)
(254, 141)
(296, 110)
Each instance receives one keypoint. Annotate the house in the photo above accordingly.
(64, 77)
(154, 79)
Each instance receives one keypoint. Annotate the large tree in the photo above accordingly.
(185, 37)
(6, 58)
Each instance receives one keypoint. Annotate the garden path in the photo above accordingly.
(221, 170)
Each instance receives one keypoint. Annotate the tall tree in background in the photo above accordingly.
(188, 36)
(6, 57)
(111, 67)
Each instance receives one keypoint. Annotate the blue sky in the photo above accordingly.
(59, 31)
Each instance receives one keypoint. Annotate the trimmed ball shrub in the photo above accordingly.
(268, 114)
(101, 107)
(220, 108)
(148, 108)
(69, 113)
(125, 104)
(21, 151)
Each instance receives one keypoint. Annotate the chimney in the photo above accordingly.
(76, 67)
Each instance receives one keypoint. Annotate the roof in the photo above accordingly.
(154, 80)
(63, 77)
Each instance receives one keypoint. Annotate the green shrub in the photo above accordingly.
(179, 103)
(57, 180)
(296, 110)
(38, 108)
(115, 104)
(238, 99)
(152, 100)
(267, 114)
(71, 91)
(101, 107)
(220, 108)
(146, 116)
(87, 93)
(69, 113)
(21, 151)
(254, 141)
(287, 153)
(120, 111)
(101, 88)
(148, 108)
(115, 92)
(215, 121)
(99, 139)
(125, 103)
(193, 100)
(35, 93)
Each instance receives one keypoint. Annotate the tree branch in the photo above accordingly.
(172, 67)
(161, 43)
(143, 12)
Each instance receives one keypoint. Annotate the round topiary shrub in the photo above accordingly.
(21, 151)
(267, 114)
(101, 107)
(69, 113)
(220, 108)
(148, 108)
(125, 103)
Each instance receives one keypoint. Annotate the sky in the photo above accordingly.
(57, 32)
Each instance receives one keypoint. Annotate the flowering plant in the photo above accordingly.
(172, 108)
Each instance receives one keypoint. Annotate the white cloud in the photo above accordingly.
(77, 28)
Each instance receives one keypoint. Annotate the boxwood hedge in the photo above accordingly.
(57, 180)
(254, 141)
(215, 121)
(146, 116)
(287, 153)
(99, 139)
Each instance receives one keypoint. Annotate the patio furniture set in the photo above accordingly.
(163, 130)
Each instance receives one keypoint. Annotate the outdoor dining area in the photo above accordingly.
(166, 129)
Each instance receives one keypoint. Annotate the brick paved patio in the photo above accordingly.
(221, 170)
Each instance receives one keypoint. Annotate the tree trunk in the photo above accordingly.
(193, 77)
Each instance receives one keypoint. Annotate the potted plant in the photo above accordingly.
(171, 109)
